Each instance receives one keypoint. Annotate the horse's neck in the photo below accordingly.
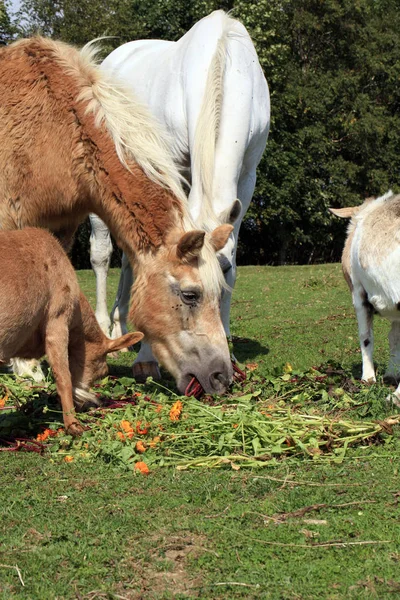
(138, 211)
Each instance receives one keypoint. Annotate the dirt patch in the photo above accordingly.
(167, 570)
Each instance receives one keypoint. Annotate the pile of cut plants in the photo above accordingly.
(315, 415)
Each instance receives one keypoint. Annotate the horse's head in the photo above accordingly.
(175, 302)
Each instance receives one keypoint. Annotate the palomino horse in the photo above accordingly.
(68, 133)
(210, 93)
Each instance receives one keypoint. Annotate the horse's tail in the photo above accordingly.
(208, 122)
(137, 136)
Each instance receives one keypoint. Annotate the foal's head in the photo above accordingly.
(88, 349)
(175, 302)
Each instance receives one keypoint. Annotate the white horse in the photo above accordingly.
(209, 91)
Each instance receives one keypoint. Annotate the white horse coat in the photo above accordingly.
(209, 91)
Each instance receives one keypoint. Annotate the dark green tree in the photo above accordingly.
(333, 70)
(7, 29)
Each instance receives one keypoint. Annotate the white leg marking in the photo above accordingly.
(100, 256)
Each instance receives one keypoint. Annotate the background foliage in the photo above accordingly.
(333, 68)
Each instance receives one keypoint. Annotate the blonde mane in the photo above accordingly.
(208, 123)
(137, 135)
(139, 138)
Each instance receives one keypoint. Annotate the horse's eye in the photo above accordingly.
(190, 297)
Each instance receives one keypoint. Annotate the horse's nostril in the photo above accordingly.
(218, 380)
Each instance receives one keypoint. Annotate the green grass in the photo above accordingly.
(295, 529)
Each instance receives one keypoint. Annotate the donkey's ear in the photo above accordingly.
(124, 341)
(344, 213)
(219, 236)
(190, 244)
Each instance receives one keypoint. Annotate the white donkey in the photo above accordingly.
(209, 91)
(371, 267)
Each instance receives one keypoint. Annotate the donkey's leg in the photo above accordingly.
(57, 336)
(100, 256)
(365, 315)
(393, 370)
(392, 374)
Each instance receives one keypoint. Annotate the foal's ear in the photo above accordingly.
(124, 341)
(219, 236)
(344, 213)
(190, 244)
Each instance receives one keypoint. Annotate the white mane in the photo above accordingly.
(207, 127)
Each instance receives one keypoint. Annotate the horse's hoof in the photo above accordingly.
(75, 429)
(393, 399)
(391, 379)
(143, 370)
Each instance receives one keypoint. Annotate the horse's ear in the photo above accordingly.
(232, 214)
(124, 341)
(344, 213)
(219, 236)
(190, 244)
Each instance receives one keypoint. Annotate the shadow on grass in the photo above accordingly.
(246, 349)
(30, 419)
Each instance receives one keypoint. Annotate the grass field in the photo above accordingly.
(298, 528)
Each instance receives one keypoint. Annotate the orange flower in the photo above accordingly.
(121, 436)
(142, 430)
(142, 467)
(68, 459)
(234, 425)
(175, 411)
(126, 426)
(3, 401)
(42, 437)
(154, 441)
(158, 408)
(140, 447)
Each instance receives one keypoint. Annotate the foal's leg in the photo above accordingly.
(57, 336)
(365, 315)
(100, 256)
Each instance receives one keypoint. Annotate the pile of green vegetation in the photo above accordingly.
(316, 415)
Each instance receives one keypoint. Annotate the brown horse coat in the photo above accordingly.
(42, 311)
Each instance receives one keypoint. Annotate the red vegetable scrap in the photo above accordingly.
(194, 388)
(238, 374)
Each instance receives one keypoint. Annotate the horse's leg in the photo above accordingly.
(145, 364)
(245, 192)
(119, 313)
(27, 368)
(57, 336)
(100, 256)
